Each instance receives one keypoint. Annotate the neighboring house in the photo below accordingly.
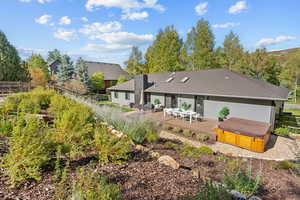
(207, 91)
(53, 67)
(110, 71)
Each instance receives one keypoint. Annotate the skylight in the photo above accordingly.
(169, 80)
(185, 79)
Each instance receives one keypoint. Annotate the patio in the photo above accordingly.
(204, 126)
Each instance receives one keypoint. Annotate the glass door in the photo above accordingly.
(200, 104)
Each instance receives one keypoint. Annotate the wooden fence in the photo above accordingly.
(9, 87)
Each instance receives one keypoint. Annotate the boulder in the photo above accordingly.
(168, 161)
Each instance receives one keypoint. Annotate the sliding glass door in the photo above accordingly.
(171, 101)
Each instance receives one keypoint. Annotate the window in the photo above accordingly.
(116, 95)
(185, 79)
(127, 95)
(169, 80)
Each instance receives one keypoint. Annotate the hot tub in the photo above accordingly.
(247, 134)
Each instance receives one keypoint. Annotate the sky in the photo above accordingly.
(105, 30)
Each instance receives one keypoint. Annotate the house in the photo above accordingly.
(110, 71)
(207, 92)
(53, 67)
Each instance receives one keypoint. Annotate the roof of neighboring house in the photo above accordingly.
(211, 82)
(110, 71)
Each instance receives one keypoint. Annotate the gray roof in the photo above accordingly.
(110, 71)
(211, 82)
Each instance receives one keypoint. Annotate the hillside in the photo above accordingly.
(284, 54)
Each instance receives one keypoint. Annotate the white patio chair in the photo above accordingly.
(197, 117)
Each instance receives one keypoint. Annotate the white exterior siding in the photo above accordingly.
(121, 98)
(160, 97)
(189, 99)
(257, 110)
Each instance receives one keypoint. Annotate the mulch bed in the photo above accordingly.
(142, 177)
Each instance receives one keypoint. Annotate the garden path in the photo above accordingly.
(278, 148)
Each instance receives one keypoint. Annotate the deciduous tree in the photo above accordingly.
(121, 79)
(97, 81)
(134, 64)
(36, 61)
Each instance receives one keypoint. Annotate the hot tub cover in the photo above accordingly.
(245, 127)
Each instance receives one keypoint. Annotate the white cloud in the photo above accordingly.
(226, 25)
(64, 34)
(39, 1)
(65, 20)
(27, 52)
(238, 7)
(125, 38)
(84, 19)
(44, 19)
(135, 15)
(106, 47)
(201, 8)
(94, 29)
(125, 5)
(271, 41)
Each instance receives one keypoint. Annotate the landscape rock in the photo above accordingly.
(154, 154)
(168, 161)
(238, 196)
(141, 148)
(196, 173)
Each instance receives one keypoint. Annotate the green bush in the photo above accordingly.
(224, 112)
(156, 101)
(111, 148)
(172, 145)
(90, 185)
(242, 181)
(27, 151)
(206, 150)
(282, 132)
(167, 127)
(211, 191)
(74, 129)
(186, 106)
(187, 132)
(287, 165)
(177, 130)
(6, 127)
(202, 137)
(190, 151)
(152, 136)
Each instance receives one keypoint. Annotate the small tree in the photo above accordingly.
(121, 79)
(54, 55)
(37, 62)
(38, 77)
(66, 70)
(97, 82)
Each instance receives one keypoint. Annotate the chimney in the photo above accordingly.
(140, 85)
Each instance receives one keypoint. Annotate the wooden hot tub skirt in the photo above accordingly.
(251, 143)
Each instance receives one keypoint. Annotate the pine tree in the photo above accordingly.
(200, 46)
(232, 52)
(164, 54)
(134, 65)
(82, 72)
(10, 62)
(66, 70)
(54, 55)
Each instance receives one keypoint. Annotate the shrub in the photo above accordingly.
(224, 112)
(152, 136)
(27, 151)
(189, 151)
(202, 137)
(167, 127)
(73, 129)
(187, 132)
(211, 191)
(29, 106)
(177, 130)
(242, 181)
(287, 165)
(111, 148)
(172, 145)
(186, 106)
(61, 187)
(206, 150)
(90, 185)
(6, 127)
(282, 132)
(156, 101)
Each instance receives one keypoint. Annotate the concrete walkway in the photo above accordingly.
(278, 148)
